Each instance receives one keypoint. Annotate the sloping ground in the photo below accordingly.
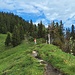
(61, 61)
(18, 60)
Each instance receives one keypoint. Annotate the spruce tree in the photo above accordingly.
(21, 32)
(34, 31)
(61, 28)
(16, 37)
(68, 34)
(72, 32)
(8, 39)
(40, 30)
(31, 28)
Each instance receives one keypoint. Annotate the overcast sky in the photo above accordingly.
(45, 10)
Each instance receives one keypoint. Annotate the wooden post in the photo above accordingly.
(49, 38)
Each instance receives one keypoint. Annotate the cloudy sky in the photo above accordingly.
(45, 10)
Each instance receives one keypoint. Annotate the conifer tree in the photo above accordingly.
(72, 32)
(16, 37)
(68, 34)
(61, 27)
(21, 32)
(35, 31)
(31, 28)
(61, 32)
(8, 39)
(40, 30)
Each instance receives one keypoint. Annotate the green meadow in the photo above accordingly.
(64, 62)
(19, 60)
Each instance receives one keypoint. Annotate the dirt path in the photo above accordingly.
(49, 70)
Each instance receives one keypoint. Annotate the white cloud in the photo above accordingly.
(44, 21)
(52, 9)
(6, 5)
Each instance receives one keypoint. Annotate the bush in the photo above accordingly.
(41, 40)
(31, 39)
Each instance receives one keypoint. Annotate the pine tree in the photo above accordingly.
(61, 28)
(21, 32)
(72, 32)
(35, 31)
(16, 37)
(61, 32)
(31, 28)
(68, 34)
(40, 30)
(8, 39)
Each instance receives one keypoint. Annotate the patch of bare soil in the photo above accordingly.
(49, 70)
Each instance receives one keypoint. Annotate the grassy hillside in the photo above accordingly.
(18, 60)
(60, 60)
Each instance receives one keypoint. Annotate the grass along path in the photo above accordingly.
(48, 68)
(58, 59)
(19, 61)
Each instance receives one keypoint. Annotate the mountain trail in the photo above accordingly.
(48, 69)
